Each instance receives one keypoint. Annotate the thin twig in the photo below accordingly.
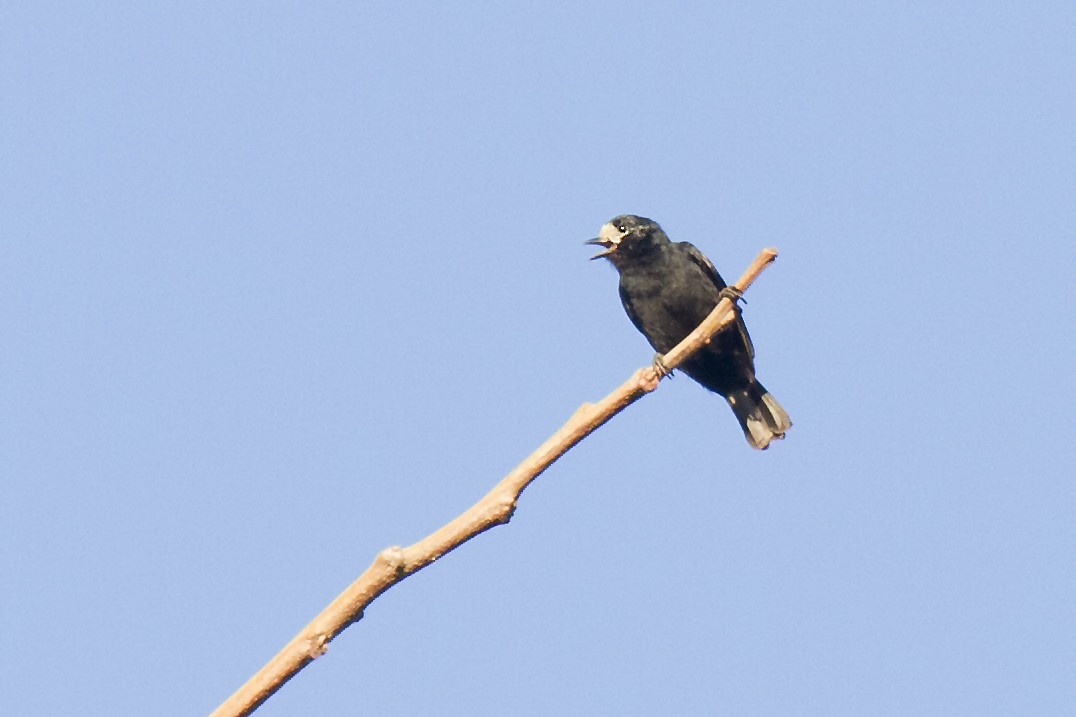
(394, 564)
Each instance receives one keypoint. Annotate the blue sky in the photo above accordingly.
(284, 285)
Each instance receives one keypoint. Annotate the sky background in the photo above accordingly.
(284, 284)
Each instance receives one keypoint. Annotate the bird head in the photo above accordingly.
(627, 237)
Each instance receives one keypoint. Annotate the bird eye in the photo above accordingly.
(621, 228)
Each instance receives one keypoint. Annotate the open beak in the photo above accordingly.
(610, 247)
(609, 237)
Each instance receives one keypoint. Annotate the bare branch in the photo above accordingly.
(394, 564)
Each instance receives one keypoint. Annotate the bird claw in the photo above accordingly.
(732, 294)
(660, 368)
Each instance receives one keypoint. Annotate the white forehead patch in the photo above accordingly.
(610, 234)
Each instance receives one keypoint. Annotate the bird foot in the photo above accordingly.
(732, 294)
(660, 368)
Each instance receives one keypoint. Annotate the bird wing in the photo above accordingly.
(710, 270)
(704, 263)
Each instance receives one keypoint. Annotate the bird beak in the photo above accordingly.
(609, 237)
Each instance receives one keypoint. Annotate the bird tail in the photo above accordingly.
(760, 415)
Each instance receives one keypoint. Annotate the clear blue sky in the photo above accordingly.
(282, 285)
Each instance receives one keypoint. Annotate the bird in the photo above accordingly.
(667, 289)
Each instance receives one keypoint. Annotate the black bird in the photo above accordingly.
(668, 289)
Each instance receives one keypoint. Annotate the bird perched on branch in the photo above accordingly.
(668, 289)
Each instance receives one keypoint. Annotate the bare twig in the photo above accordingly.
(394, 564)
